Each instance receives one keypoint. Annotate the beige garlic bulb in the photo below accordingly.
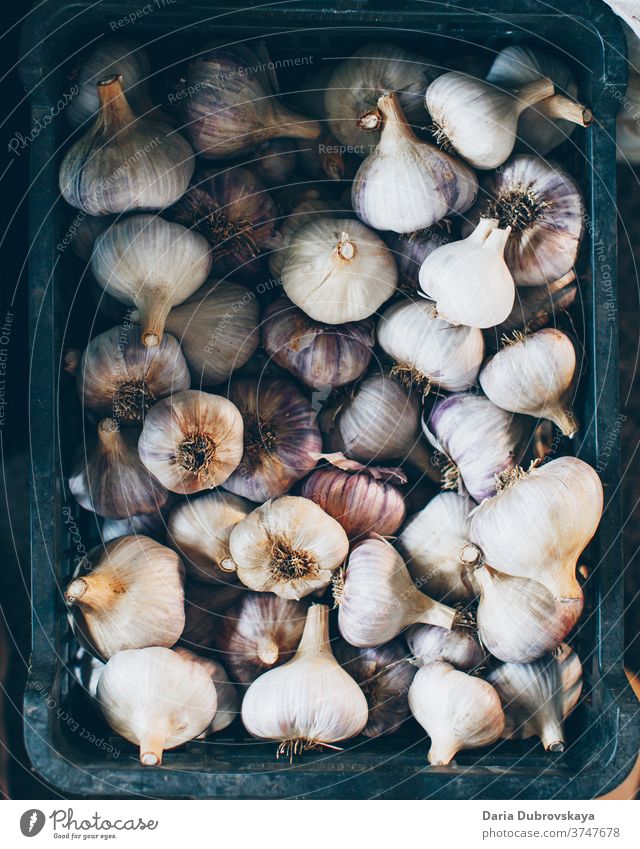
(151, 264)
(309, 207)
(310, 702)
(337, 270)
(534, 374)
(436, 548)
(377, 598)
(478, 120)
(458, 711)
(132, 596)
(156, 699)
(228, 697)
(288, 546)
(458, 646)
(192, 441)
(199, 530)
(469, 280)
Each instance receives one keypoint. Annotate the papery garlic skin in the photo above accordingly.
(458, 711)
(309, 207)
(156, 699)
(378, 599)
(436, 548)
(228, 698)
(337, 270)
(533, 374)
(192, 441)
(310, 700)
(411, 249)
(469, 280)
(428, 349)
(288, 546)
(458, 646)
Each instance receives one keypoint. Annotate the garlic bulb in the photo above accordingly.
(353, 89)
(378, 599)
(228, 698)
(151, 264)
(205, 606)
(563, 500)
(192, 441)
(362, 498)
(458, 646)
(152, 525)
(537, 696)
(477, 119)
(552, 120)
(156, 699)
(310, 702)
(337, 270)
(317, 354)
(534, 374)
(479, 439)
(309, 207)
(384, 675)
(428, 350)
(217, 328)
(125, 161)
(543, 206)
(274, 161)
(519, 620)
(120, 377)
(406, 184)
(289, 547)
(469, 280)
(537, 306)
(258, 633)
(132, 596)
(458, 711)
(436, 548)
(199, 530)
(411, 249)
(281, 438)
(109, 478)
(231, 111)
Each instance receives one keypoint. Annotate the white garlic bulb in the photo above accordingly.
(563, 501)
(337, 270)
(458, 646)
(309, 702)
(478, 120)
(469, 280)
(458, 711)
(533, 374)
(228, 707)
(156, 699)
(377, 598)
(288, 546)
(435, 545)
(429, 350)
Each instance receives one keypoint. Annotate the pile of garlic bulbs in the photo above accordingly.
(264, 454)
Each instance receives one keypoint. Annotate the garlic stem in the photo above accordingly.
(72, 361)
(153, 315)
(552, 735)
(370, 121)
(75, 590)
(565, 420)
(345, 248)
(420, 457)
(151, 747)
(440, 754)
(533, 93)
(267, 650)
(315, 637)
(299, 126)
(396, 125)
(560, 106)
(436, 613)
(115, 112)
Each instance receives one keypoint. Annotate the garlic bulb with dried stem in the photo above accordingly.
(478, 120)
(406, 184)
(436, 548)
(310, 702)
(458, 711)
(199, 530)
(534, 374)
(281, 438)
(151, 264)
(125, 161)
(536, 697)
(228, 706)
(259, 632)
(458, 646)
(384, 675)
(131, 596)
(411, 249)
(192, 441)
(109, 478)
(377, 598)
(289, 547)
(428, 350)
(310, 206)
(156, 699)
(563, 500)
(120, 377)
(337, 270)
(469, 280)
(217, 328)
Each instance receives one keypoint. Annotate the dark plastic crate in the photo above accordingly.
(603, 732)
